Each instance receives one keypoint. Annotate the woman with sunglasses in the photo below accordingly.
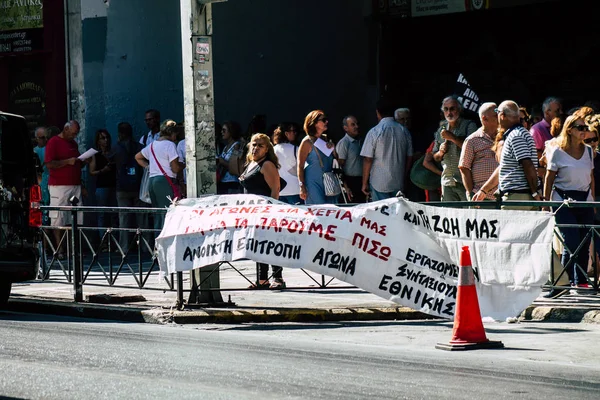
(524, 118)
(312, 162)
(261, 177)
(570, 175)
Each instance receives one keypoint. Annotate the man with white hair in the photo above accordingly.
(517, 173)
(449, 140)
(477, 159)
(402, 116)
(64, 174)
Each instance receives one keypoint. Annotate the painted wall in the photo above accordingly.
(132, 62)
(286, 58)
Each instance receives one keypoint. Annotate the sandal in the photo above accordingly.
(262, 285)
(278, 283)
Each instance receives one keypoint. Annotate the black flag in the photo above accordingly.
(467, 97)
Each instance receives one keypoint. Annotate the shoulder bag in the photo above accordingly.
(331, 182)
(174, 188)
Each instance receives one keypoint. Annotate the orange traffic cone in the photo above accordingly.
(468, 333)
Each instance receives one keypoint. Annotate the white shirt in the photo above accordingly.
(571, 173)
(165, 152)
(151, 138)
(181, 154)
(287, 154)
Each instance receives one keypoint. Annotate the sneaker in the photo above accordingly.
(582, 286)
(556, 293)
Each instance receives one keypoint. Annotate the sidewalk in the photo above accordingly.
(302, 301)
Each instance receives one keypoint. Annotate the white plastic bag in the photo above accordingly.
(145, 187)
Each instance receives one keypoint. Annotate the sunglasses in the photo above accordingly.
(451, 109)
(42, 137)
(522, 120)
(497, 110)
(323, 119)
(580, 128)
(590, 140)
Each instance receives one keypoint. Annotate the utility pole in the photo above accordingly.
(199, 119)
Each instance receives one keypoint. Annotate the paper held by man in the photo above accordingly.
(399, 250)
(89, 153)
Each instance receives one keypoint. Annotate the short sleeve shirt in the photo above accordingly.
(388, 144)
(571, 173)
(541, 134)
(348, 149)
(518, 146)
(450, 172)
(59, 149)
(165, 152)
(477, 156)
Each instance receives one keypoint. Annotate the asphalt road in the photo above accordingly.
(47, 357)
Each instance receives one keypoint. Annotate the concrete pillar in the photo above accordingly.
(74, 62)
(199, 117)
(198, 96)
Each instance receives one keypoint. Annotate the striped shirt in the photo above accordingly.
(388, 144)
(518, 146)
(450, 172)
(477, 156)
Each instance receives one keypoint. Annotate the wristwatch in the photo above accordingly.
(534, 194)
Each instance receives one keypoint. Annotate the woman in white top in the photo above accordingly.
(570, 174)
(286, 150)
(161, 156)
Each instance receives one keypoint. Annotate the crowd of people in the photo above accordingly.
(509, 153)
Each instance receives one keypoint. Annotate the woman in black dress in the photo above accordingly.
(261, 176)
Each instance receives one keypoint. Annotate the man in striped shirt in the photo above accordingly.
(518, 178)
(477, 159)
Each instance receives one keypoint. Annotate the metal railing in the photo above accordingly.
(94, 255)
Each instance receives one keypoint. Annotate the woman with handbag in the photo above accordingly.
(161, 155)
(570, 175)
(318, 182)
(261, 177)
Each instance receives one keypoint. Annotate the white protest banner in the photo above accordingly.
(467, 97)
(402, 251)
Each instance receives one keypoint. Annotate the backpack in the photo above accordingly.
(238, 159)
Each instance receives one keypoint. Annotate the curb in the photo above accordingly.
(560, 314)
(80, 310)
(229, 316)
(210, 315)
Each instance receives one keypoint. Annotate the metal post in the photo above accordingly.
(75, 253)
(199, 114)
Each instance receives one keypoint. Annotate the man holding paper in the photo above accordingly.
(64, 169)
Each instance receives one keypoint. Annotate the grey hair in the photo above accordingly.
(550, 100)
(485, 107)
(509, 107)
(452, 98)
(345, 119)
(401, 110)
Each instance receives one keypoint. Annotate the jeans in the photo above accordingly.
(573, 237)
(376, 196)
(131, 220)
(292, 199)
(106, 197)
